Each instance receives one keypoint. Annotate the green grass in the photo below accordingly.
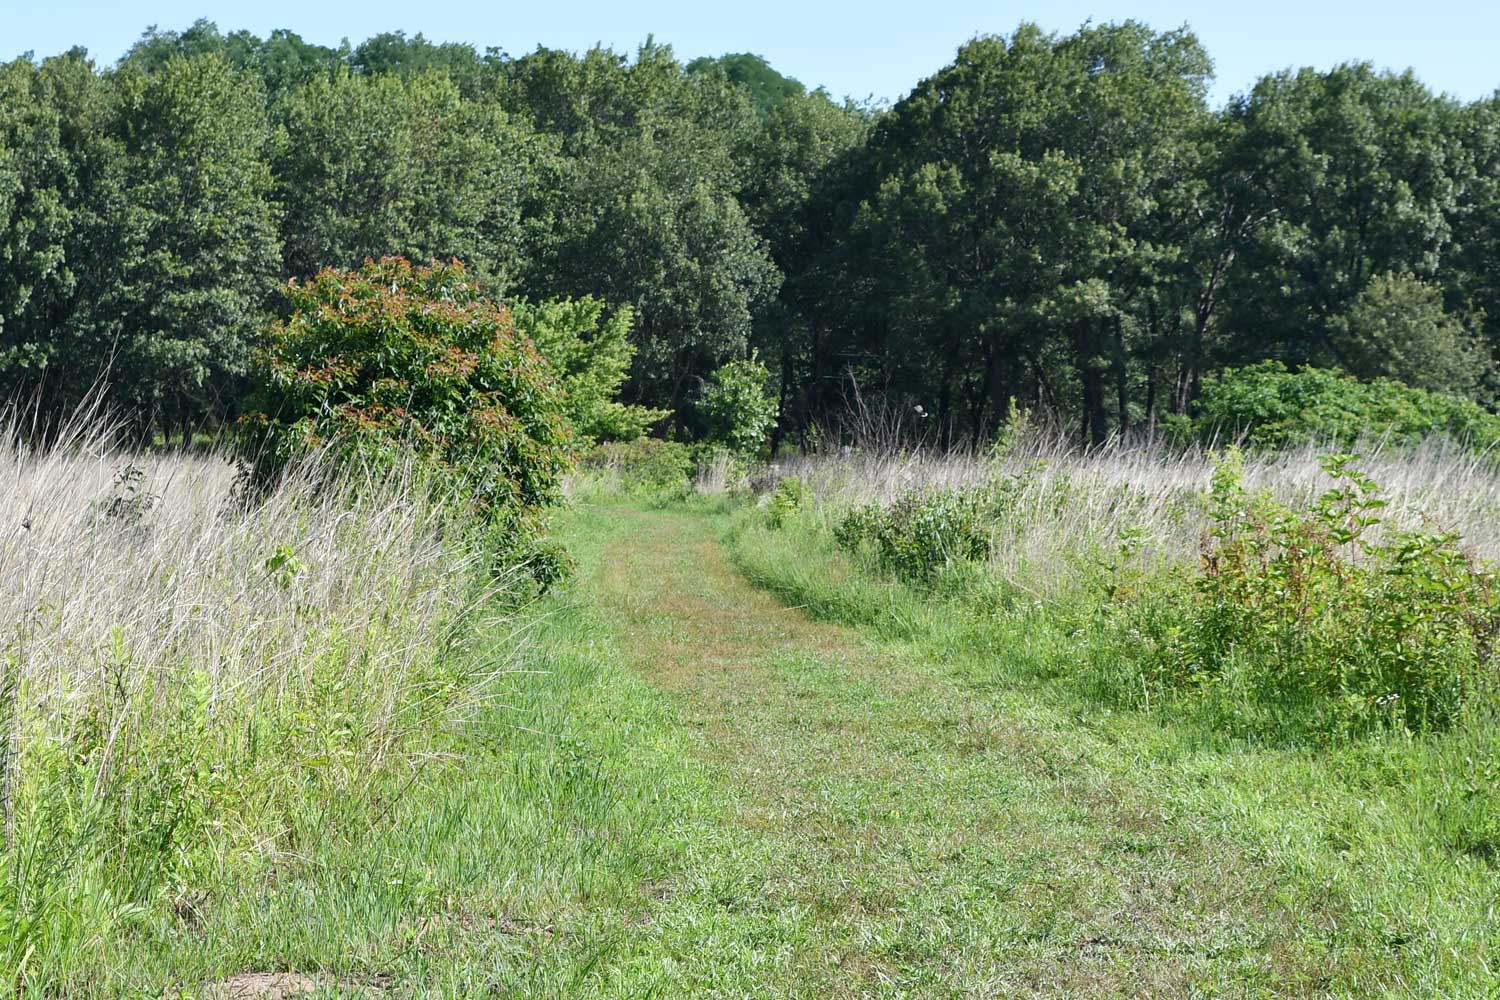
(1381, 852)
(736, 764)
(507, 866)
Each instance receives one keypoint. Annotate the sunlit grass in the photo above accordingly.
(1387, 839)
(192, 682)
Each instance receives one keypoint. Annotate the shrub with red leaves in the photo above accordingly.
(394, 360)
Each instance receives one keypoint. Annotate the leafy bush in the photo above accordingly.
(790, 496)
(861, 523)
(927, 529)
(1271, 407)
(923, 530)
(1313, 607)
(591, 355)
(1016, 428)
(1314, 616)
(392, 360)
(648, 466)
(738, 408)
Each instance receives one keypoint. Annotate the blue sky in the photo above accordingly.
(876, 48)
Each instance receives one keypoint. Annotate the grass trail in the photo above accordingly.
(694, 790)
(885, 824)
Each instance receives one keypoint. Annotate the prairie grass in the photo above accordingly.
(1381, 848)
(189, 678)
(1070, 507)
(1285, 595)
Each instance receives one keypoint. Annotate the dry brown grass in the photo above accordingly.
(97, 575)
(1071, 505)
(183, 675)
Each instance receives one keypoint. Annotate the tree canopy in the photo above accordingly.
(1062, 220)
(767, 87)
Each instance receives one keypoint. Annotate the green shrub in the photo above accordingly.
(923, 530)
(591, 355)
(392, 361)
(646, 466)
(737, 407)
(1017, 428)
(790, 495)
(1315, 616)
(1270, 407)
(1314, 610)
(860, 524)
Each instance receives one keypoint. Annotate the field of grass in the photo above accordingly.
(196, 690)
(298, 749)
(1376, 853)
(303, 745)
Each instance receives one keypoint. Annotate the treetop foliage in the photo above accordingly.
(767, 87)
(1059, 219)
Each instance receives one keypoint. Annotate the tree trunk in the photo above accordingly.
(786, 384)
(945, 405)
(1122, 377)
(1095, 428)
(999, 387)
(1094, 420)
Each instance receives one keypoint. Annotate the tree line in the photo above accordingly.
(1060, 220)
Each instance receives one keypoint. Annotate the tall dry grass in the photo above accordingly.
(1070, 504)
(182, 673)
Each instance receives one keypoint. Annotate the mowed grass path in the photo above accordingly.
(876, 820)
(689, 789)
